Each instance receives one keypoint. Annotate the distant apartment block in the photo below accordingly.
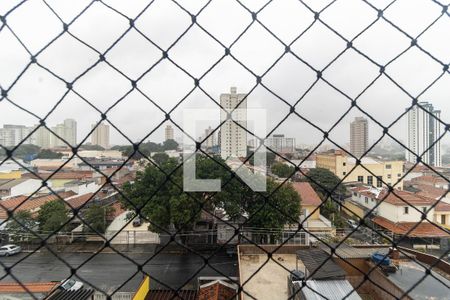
(371, 171)
(210, 137)
(359, 136)
(280, 144)
(233, 138)
(67, 130)
(12, 135)
(100, 136)
(169, 133)
(424, 131)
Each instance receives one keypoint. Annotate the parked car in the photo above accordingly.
(71, 285)
(8, 250)
(137, 222)
(352, 223)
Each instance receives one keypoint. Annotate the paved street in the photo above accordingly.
(108, 271)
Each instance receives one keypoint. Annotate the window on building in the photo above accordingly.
(379, 182)
(343, 173)
(355, 194)
(389, 176)
(388, 166)
(367, 200)
(360, 178)
(443, 219)
(344, 164)
(406, 210)
(424, 209)
(369, 180)
(399, 175)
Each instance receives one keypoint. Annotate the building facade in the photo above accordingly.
(12, 135)
(100, 136)
(371, 172)
(280, 144)
(424, 130)
(169, 133)
(233, 137)
(359, 136)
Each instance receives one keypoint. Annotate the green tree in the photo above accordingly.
(49, 154)
(52, 216)
(165, 204)
(92, 147)
(170, 145)
(96, 216)
(324, 182)
(282, 170)
(23, 222)
(160, 158)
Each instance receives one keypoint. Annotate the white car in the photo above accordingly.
(71, 285)
(352, 223)
(8, 250)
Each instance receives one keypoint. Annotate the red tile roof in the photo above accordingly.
(33, 287)
(404, 198)
(22, 203)
(78, 201)
(442, 206)
(424, 229)
(216, 291)
(307, 194)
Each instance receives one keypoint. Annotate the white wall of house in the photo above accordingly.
(25, 188)
(83, 188)
(396, 213)
(361, 199)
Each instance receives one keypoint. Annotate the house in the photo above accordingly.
(400, 212)
(17, 187)
(59, 179)
(32, 204)
(310, 205)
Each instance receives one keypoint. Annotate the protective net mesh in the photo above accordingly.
(122, 37)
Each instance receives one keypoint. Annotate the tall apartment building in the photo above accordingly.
(42, 137)
(211, 140)
(169, 133)
(67, 131)
(359, 136)
(100, 135)
(233, 138)
(12, 135)
(423, 131)
(280, 144)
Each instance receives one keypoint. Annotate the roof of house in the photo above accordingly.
(217, 290)
(411, 229)
(24, 203)
(60, 175)
(307, 194)
(398, 197)
(319, 265)
(171, 295)
(76, 202)
(10, 183)
(430, 179)
(81, 294)
(330, 289)
(31, 287)
(442, 206)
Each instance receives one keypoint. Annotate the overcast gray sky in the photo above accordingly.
(163, 22)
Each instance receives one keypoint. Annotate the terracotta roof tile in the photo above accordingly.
(424, 229)
(404, 198)
(23, 203)
(78, 201)
(307, 194)
(442, 206)
(60, 175)
(216, 291)
(34, 287)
